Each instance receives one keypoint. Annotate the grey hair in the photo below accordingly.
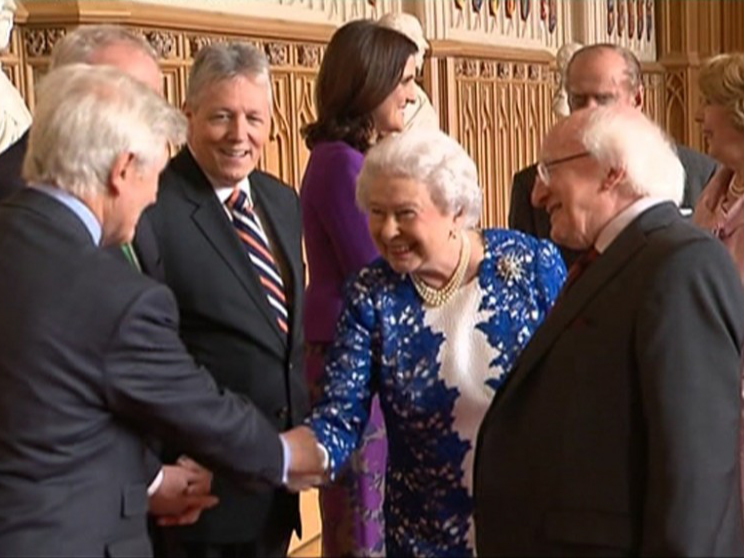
(432, 158)
(220, 61)
(618, 137)
(79, 46)
(86, 116)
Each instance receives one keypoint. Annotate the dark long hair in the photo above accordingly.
(362, 65)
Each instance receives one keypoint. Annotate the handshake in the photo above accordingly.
(308, 462)
(185, 489)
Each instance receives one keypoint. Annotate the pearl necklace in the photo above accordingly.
(437, 297)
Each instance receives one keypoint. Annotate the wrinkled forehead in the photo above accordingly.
(596, 71)
(563, 139)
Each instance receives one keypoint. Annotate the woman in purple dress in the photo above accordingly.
(366, 79)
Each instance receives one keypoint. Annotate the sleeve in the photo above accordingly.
(341, 415)
(343, 222)
(687, 343)
(152, 383)
(520, 207)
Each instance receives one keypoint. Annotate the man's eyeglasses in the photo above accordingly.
(543, 167)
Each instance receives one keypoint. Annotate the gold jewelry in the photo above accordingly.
(437, 297)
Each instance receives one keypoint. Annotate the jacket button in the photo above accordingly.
(282, 414)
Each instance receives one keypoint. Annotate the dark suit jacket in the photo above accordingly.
(228, 325)
(522, 216)
(11, 164)
(91, 362)
(617, 432)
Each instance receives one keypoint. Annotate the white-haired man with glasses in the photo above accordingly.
(601, 75)
(617, 432)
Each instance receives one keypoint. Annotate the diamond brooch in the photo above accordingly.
(511, 267)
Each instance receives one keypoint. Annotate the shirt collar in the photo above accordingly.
(223, 192)
(618, 223)
(75, 205)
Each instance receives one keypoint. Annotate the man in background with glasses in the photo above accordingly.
(600, 75)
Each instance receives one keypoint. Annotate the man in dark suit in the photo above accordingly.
(617, 432)
(229, 320)
(91, 362)
(601, 74)
(112, 45)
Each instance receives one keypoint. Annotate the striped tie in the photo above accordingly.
(257, 247)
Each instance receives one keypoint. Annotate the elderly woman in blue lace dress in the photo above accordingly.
(434, 327)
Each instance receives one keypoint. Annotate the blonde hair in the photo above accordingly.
(721, 81)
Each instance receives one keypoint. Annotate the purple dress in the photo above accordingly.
(338, 245)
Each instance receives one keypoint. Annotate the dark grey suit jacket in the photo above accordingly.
(617, 432)
(229, 327)
(91, 363)
(522, 216)
(11, 164)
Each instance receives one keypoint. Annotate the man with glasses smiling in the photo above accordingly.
(617, 432)
(599, 75)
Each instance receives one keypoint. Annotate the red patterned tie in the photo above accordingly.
(259, 252)
(579, 267)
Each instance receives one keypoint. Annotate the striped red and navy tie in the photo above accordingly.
(259, 252)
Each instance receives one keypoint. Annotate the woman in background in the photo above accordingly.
(420, 113)
(720, 208)
(434, 328)
(366, 80)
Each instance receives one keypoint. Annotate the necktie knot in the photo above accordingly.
(238, 201)
(580, 266)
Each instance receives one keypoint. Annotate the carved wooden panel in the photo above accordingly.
(654, 99)
(675, 103)
(503, 115)
(496, 101)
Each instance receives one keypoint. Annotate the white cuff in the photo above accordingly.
(155, 484)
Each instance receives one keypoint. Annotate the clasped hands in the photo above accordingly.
(183, 494)
(307, 465)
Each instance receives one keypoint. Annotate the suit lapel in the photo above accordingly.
(213, 221)
(273, 214)
(592, 281)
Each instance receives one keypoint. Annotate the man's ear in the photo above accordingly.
(121, 172)
(638, 98)
(459, 216)
(614, 178)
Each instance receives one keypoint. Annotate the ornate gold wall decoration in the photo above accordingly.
(503, 113)
(494, 99)
(40, 42)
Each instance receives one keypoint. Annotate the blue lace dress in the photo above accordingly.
(436, 371)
